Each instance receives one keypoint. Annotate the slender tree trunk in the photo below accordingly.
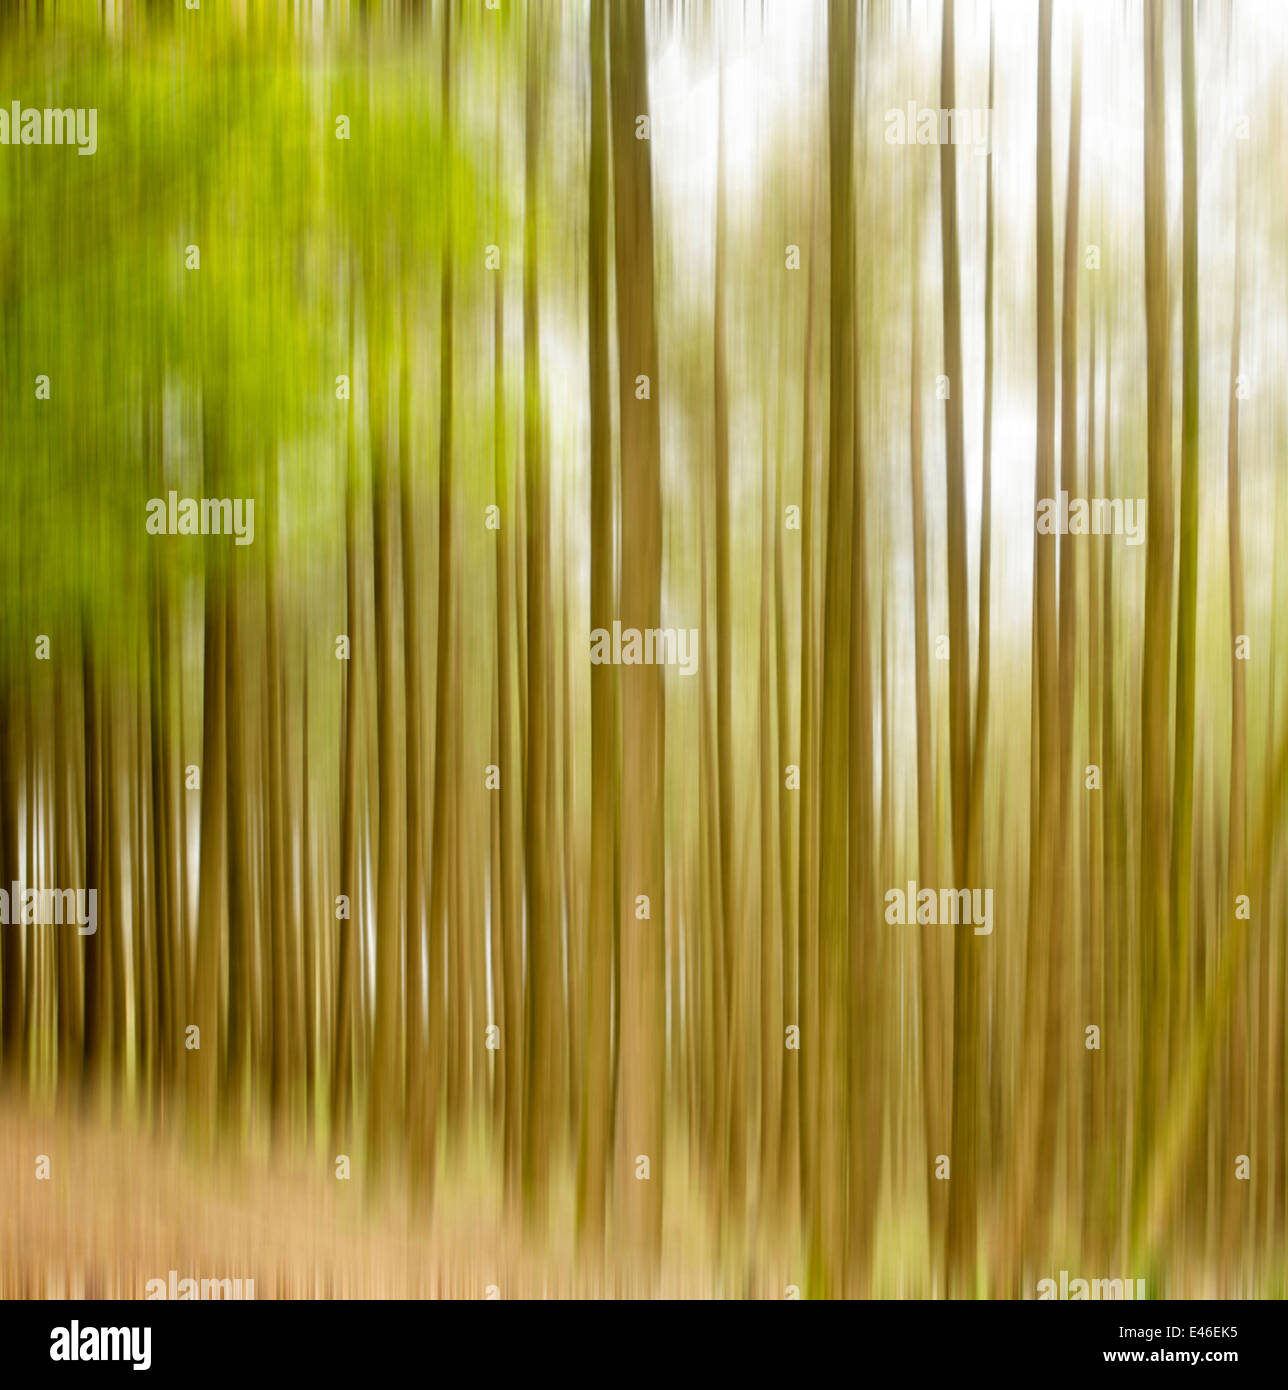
(1155, 964)
(979, 741)
(385, 1096)
(597, 1127)
(1237, 875)
(1058, 914)
(826, 1221)
(935, 1041)
(730, 1122)
(1187, 592)
(544, 1031)
(348, 982)
(413, 711)
(643, 728)
(807, 997)
(963, 1197)
(426, 1103)
(207, 1013)
(769, 1023)
(1045, 630)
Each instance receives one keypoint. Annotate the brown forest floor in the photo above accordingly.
(120, 1209)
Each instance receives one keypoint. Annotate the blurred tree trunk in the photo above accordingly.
(597, 1119)
(642, 961)
(243, 906)
(1092, 1162)
(730, 1039)
(283, 973)
(979, 741)
(348, 982)
(1046, 686)
(865, 1063)
(1059, 915)
(769, 1023)
(10, 942)
(314, 988)
(806, 1015)
(413, 1078)
(1187, 591)
(168, 849)
(507, 964)
(968, 1059)
(787, 1163)
(935, 1040)
(1155, 706)
(67, 982)
(385, 1099)
(826, 1221)
(544, 1050)
(207, 985)
(425, 1104)
(1237, 876)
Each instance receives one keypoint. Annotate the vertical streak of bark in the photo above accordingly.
(544, 1050)
(1187, 591)
(1155, 965)
(643, 712)
(347, 979)
(979, 741)
(426, 1104)
(730, 1122)
(934, 1037)
(807, 1007)
(1237, 877)
(1046, 686)
(826, 1221)
(967, 1056)
(413, 710)
(1059, 915)
(385, 1096)
(596, 1141)
(769, 1022)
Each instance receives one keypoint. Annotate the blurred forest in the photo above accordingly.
(516, 320)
